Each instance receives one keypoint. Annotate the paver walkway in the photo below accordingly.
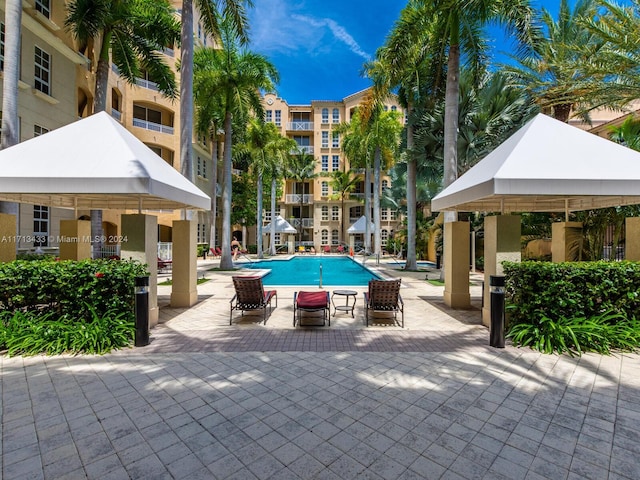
(250, 401)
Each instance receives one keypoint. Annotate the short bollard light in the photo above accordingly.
(496, 289)
(142, 311)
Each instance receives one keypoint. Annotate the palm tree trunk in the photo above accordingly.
(186, 90)
(259, 217)
(301, 202)
(272, 239)
(377, 243)
(367, 209)
(10, 119)
(226, 262)
(214, 189)
(411, 262)
(451, 121)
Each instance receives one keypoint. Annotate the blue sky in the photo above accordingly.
(319, 46)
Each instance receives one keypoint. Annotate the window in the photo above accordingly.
(302, 141)
(276, 239)
(335, 238)
(201, 235)
(40, 226)
(335, 213)
(147, 114)
(384, 236)
(336, 115)
(201, 167)
(199, 30)
(278, 121)
(384, 214)
(394, 108)
(325, 163)
(44, 7)
(335, 140)
(268, 116)
(335, 162)
(38, 130)
(325, 115)
(325, 237)
(325, 189)
(1, 46)
(42, 71)
(394, 215)
(325, 212)
(325, 140)
(385, 185)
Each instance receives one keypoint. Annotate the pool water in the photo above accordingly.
(305, 271)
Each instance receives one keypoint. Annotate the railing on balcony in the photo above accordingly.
(295, 198)
(152, 126)
(141, 82)
(116, 114)
(303, 149)
(300, 125)
(356, 195)
(306, 222)
(169, 52)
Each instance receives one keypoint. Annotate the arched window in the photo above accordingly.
(325, 189)
(336, 115)
(325, 115)
(324, 237)
(334, 237)
(335, 213)
(325, 212)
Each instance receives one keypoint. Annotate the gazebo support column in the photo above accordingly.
(140, 242)
(456, 264)
(352, 244)
(7, 237)
(501, 242)
(291, 241)
(184, 291)
(566, 241)
(632, 239)
(75, 239)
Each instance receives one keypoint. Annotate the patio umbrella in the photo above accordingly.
(282, 226)
(94, 163)
(547, 166)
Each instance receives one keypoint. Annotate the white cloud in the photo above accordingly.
(338, 31)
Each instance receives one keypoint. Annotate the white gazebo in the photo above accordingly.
(546, 166)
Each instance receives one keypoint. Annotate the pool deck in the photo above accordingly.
(206, 400)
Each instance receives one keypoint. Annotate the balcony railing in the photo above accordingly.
(356, 195)
(300, 125)
(116, 114)
(295, 198)
(152, 126)
(306, 222)
(303, 149)
(141, 82)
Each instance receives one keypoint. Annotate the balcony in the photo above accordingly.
(294, 198)
(141, 82)
(300, 126)
(295, 222)
(356, 195)
(302, 148)
(152, 126)
(116, 114)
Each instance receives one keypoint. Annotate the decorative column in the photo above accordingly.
(501, 243)
(7, 237)
(184, 276)
(632, 239)
(75, 239)
(291, 241)
(566, 241)
(140, 242)
(456, 265)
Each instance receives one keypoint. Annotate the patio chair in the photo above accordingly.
(311, 302)
(302, 249)
(326, 249)
(251, 295)
(384, 296)
(164, 264)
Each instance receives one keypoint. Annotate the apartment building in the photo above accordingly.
(56, 88)
(313, 208)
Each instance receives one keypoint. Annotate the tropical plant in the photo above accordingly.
(558, 71)
(627, 133)
(211, 16)
(301, 170)
(342, 184)
(235, 76)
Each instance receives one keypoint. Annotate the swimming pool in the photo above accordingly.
(305, 271)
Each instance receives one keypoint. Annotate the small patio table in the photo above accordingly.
(348, 306)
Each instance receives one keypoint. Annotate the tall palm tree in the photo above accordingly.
(557, 72)
(11, 75)
(212, 13)
(342, 184)
(280, 157)
(236, 77)
(130, 35)
(301, 170)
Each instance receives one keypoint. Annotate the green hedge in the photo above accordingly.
(573, 289)
(58, 306)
